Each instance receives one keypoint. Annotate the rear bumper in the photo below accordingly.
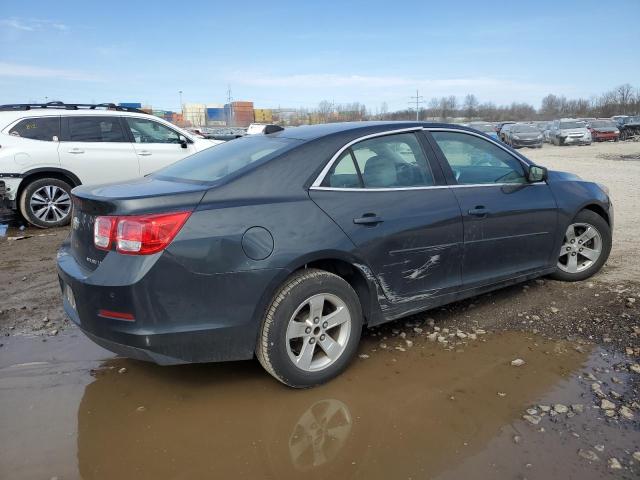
(179, 316)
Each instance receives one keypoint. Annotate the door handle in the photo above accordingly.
(144, 153)
(479, 211)
(76, 150)
(368, 219)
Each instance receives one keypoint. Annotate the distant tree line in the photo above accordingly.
(622, 100)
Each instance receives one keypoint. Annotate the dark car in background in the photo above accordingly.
(283, 246)
(629, 125)
(603, 130)
(523, 135)
(486, 128)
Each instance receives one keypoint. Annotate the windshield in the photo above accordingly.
(483, 127)
(602, 124)
(565, 125)
(524, 129)
(216, 163)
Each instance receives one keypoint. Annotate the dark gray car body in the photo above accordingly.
(204, 297)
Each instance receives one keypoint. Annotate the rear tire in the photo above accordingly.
(587, 234)
(46, 202)
(311, 330)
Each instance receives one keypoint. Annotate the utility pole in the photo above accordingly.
(229, 100)
(418, 99)
(181, 107)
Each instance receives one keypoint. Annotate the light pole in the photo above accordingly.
(181, 109)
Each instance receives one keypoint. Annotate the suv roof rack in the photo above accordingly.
(68, 106)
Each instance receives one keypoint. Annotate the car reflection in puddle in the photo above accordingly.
(413, 414)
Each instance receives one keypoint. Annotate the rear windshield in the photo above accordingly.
(215, 163)
(524, 129)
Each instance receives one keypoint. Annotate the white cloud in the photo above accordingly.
(32, 24)
(31, 71)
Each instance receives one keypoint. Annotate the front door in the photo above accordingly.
(404, 223)
(96, 149)
(510, 225)
(156, 144)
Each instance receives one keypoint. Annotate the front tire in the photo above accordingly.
(311, 330)
(46, 202)
(585, 248)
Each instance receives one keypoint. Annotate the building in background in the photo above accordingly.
(195, 114)
(263, 115)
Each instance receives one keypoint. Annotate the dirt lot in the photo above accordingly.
(412, 405)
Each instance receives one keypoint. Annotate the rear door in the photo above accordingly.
(405, 223)
(509, 224)
(156, 144)
(96, 149)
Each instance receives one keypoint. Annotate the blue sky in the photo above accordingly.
(290, 54)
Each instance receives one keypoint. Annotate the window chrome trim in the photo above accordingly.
(427, 187)
(316, 185)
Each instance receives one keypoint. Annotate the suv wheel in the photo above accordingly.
(585, 248)
(46, 202)
(311, 329)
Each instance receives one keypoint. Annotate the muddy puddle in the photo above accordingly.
(424, 413)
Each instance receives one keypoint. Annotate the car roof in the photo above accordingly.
(47, 112)
(357, 129)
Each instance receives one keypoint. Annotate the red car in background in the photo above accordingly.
(603, 130)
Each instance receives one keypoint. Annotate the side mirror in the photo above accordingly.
(183, 141)
(537, 174)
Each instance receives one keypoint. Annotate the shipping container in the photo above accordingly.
(130, 105)
(216, 114)
(263, 115)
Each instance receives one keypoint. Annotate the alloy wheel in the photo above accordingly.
(581, 248)
(50, 203)
(318, 332)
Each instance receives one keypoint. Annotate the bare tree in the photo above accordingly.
(470, 106)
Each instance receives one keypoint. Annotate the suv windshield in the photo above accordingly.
(565, 125)
(216, 163)
(524, 129)
(603, 124)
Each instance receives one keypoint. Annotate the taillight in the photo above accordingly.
(138, 234)
(103, 230)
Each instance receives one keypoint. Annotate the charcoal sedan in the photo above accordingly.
(284, 246)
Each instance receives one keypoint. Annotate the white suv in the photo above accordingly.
(47, 149)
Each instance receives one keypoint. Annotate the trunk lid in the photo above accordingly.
(139, 196)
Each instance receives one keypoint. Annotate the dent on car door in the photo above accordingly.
(404, 223)
(509, 224)
(156, 144)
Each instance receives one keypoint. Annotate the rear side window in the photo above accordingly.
(390, 161)
(43, 128)
(216, 163)
(95, 129)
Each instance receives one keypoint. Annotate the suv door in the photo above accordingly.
(96, 149)
(156, 144)
(405, 223)
(510, 225)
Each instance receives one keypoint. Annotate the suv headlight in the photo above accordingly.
(516, 137)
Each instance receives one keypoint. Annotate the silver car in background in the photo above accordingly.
(569, 131)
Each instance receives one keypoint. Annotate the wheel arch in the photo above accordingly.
(46, 172)
(598, 209)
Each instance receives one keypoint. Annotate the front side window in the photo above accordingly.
(148, 131)
(475, 160)
(43, 128)
(95, 129)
